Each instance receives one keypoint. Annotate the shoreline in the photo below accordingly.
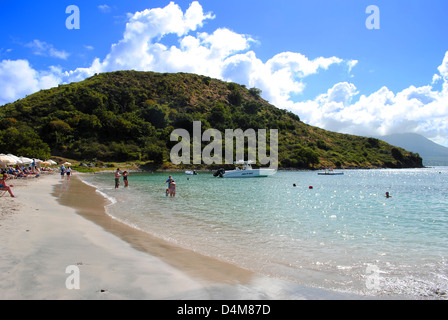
(69, 226)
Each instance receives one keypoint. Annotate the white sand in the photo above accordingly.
(40, 238)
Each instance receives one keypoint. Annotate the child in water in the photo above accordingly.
(167, 192)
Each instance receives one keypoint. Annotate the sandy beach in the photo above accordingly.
(55, 224)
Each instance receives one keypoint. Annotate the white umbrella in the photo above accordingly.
(67, 164)
(52, 162)
(26, 160)
(7, 160)
(15, 158)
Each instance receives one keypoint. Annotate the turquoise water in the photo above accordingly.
(327, 236)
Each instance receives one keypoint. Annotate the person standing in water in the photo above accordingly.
(117, 178)
(172, 188)
(169, 181)
(125, 179)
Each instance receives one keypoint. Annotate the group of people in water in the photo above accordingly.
(125, 175)
(170, 190)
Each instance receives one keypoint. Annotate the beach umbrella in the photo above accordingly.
(7, 160)
(52, 162)
(26, 160)
(45, 163)
(17, 159)
(67, 164)
(38, 162)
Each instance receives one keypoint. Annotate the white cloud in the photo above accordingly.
(104, 8)
(42, 48)
(443, 68)
(423, 110)
(18, 79)
(351, 64)
(222, 54)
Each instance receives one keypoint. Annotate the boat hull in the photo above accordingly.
(330, 173)
(254, 173)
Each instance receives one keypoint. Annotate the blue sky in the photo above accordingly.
(315, 58)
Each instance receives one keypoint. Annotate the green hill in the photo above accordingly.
(129, 115)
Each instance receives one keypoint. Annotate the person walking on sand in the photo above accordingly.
(117, 178)
(125, 178)
(4, 186)
(62, 171)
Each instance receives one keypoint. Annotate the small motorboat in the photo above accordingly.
(191, 172)
(245, 172)
(330, 172)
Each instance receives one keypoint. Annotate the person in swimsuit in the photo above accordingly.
(125, 178)
(67, 172)
(172, 188)
(117, 178)
(4, 186)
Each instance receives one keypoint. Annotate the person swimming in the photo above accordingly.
(388, 195)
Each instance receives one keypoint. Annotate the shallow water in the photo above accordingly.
(343, 234)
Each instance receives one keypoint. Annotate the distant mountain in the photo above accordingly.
(433, 154)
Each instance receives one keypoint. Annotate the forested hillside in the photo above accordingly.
(129, 116)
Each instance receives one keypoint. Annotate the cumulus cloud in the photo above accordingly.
(422, 110)
(18, 79)
(222, 54)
